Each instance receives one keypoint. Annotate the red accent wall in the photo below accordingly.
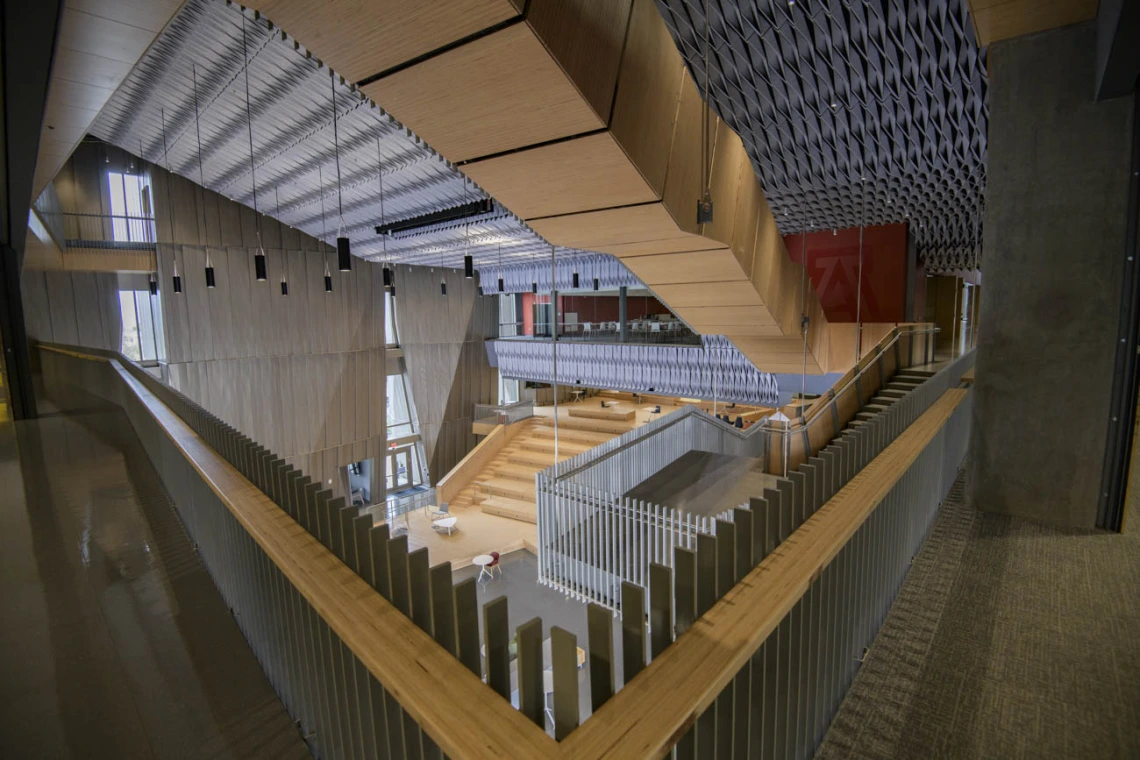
(833, 265)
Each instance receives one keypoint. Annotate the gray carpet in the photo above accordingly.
(1009, 639)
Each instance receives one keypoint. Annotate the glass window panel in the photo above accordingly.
(130, 343)
(146, 327)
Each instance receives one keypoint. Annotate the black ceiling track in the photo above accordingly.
(453, 214)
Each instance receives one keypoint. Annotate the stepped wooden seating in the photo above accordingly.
(516, 509)
(601, 413)
(612, 427)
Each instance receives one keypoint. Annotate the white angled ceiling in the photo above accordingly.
(825, 93)
(290, 104)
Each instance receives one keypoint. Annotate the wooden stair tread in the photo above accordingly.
(514, 471)
(504, 506)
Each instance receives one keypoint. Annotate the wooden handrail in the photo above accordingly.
(460, 712)
(651, 712)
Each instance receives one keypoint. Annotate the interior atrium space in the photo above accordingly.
(570, 379)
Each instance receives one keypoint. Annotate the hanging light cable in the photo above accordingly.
(284, 262)
(343, 249)
(500, 266)
(383, 240)
(210, 279)
(705, 204)
(259, 254)
(324, 231)
(176, 279)
(468, 261)
(442, 274)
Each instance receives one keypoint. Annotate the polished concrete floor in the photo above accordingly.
(113, 640)
(1009, 639)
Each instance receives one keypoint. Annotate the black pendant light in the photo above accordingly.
(387, 271)
(153, 285)
(343, 249)
(468, 259)
(176, 279)
(259, 255)
(210, 281)
(324, 230)
(500, 267)
(443, 287)
(575, 279)
(534, 288)
(596, 283)
(284, 263)
(480, 290)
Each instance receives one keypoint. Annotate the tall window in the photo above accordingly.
(142, 326)
(399, 408)
(131, 210)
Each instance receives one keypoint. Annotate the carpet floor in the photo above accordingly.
(1009, 639)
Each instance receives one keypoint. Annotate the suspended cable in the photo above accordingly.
(384, 238)
(176, 279)
(343, 247)
(468, 260)
(210, 279)
(500, 266)
(704, 203)
(859, 283)
(324, 231)
(284, 262)
(259, 254)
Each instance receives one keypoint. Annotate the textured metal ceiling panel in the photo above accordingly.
(825, 93)
(290, 104)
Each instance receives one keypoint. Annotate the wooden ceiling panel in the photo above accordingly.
(666, 245)
(1004, 19)
(741, 316)
(586, 173)
(593, 230)
(680, 268)
(730, 293)
(494, 94)
(362, 38)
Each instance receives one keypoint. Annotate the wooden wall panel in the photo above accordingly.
(586, 38)
(684, 183)
(645, 108)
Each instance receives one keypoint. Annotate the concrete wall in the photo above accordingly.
(77, 308)
(443, 342)
(1054, 246)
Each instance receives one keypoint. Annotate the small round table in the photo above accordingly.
(483, 561)
(447, 523)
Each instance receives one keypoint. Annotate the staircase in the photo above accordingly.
(903, 381)
(505, 487)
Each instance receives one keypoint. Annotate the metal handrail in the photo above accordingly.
(760, 428)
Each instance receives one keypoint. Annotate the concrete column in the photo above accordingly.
(623, 313)
(1054, 249)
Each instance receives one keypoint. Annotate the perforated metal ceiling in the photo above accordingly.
(293, 148)
(826, 92)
